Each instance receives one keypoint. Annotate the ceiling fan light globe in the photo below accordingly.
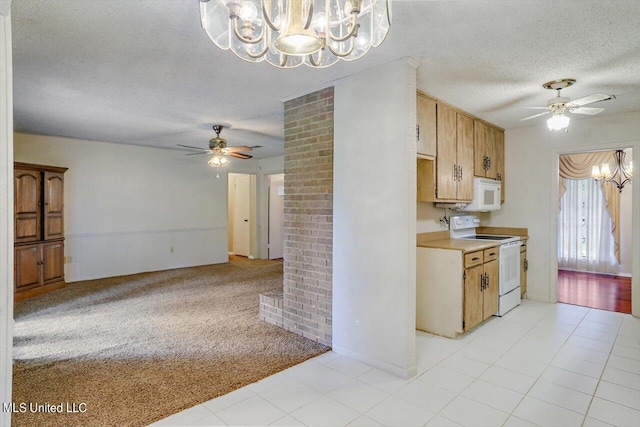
(558, 122)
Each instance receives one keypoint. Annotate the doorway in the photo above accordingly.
(275, 245)
(595, 223)
(241, 196)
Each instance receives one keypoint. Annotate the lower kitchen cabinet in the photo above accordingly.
(39, 268)
(480, 288)
(455, 291)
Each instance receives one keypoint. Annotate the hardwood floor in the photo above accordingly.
(606, 292)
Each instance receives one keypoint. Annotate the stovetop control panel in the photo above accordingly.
(461, 222)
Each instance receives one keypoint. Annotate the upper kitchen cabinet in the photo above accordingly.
(454, 160)
(426, 126)
(488, 143)
(453, 147)
(488, 158)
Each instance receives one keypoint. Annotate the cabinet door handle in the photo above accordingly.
(477, 258)
(526, 265)
(460, 173)
(418, 132)
(455, 172)
(486, 280)
(492, 254)
(482, 283)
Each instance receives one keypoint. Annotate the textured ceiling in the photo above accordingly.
(143, 72)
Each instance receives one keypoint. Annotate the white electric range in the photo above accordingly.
(464, 227)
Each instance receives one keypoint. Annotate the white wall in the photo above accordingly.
(531, 160)
(374, 218)
(127, 206)
(6, 209)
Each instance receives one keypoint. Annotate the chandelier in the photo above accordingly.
(621, 175)
(289, 33)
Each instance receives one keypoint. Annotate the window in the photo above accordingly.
(585, 240)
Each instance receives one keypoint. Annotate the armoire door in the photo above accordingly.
(53, 204)
(27, 205)
(28, 267)
(53, 262)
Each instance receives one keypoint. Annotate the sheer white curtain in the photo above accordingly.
(585, 240)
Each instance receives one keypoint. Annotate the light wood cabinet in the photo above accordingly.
(426, 126)
(39, 229)
(524, 267)
(452, 148)
(481, 285)
(455, 291)
(451, 180)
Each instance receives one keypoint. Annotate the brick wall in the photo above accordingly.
(308, 215)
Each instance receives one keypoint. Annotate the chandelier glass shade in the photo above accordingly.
(622, 172)
(289, 33)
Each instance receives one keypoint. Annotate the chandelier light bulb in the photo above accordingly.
(606, 172)
(362, 41)
(249, 11)
(320, 22)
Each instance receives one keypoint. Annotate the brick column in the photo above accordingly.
(308, 215)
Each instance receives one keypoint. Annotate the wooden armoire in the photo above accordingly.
(38, 229)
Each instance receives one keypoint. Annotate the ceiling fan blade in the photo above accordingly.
(535, 108)
(586, 110)
(201, 152)
(189, 146)
(589, 99)
(238, 149)
(534, 116)
(240, 155)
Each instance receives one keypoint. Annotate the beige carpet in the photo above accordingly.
(138, 348)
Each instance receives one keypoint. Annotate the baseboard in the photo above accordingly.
(392, 369)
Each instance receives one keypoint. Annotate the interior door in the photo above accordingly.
(276, 216)
(241, 215)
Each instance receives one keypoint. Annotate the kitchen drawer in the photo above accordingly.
(491, 254)
(473, 258)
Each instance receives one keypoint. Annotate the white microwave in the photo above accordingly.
(486, 195)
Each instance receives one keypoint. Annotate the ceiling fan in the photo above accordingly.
(560, 105)
(218, 147)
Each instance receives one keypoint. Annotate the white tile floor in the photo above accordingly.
(542, 364)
